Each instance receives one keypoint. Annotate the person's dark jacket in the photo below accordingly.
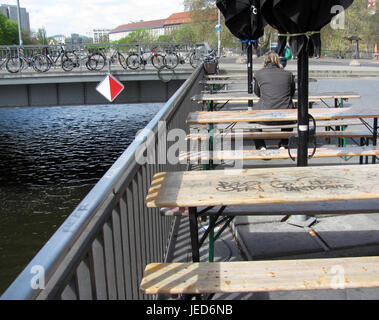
(275, 87)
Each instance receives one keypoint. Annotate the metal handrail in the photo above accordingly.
(65, 251)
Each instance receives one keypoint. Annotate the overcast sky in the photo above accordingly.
(66, 17)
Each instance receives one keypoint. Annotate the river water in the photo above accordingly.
(50, 158)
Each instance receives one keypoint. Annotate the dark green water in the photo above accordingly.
(50, 158)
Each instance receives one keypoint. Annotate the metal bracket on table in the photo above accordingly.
(293, 141)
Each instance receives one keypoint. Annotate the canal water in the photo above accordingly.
(50, 158)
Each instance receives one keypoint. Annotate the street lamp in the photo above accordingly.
(19, 23)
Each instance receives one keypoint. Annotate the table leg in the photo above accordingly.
(194, 233)
(375, 136)
(211, 240)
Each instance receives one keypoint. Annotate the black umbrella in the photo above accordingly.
(243, 19)
(301, 21)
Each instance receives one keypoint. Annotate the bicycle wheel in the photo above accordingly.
(69, 61)
(67, 64)
(122, 61)
(14, 64)
(157, 60)
(171, 60)
(166, 74)
(96, 61)
(133, 61)
(40, 63)
(194, 61)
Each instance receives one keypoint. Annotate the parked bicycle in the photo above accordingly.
(4, 57)
(16, 63)
(135, 61)
(67, 59)
(96, 59)
(118, 56)
(172, 59)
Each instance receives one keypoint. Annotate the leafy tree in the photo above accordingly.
(357, 22)
(186, 33)
(138, 35)
(11, 30)
(165, 38)
(41, 36)
(8, 30)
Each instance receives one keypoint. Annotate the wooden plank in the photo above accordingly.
(236, 81)
(244, 97)
(225, 155)
(261, 276)
(227, 76)
(274, 185)
(342, 207)
(223, 82)
(203, 117)
(249, 135)
(255, 125)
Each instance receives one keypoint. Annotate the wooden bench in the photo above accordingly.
(254, 187)
(226, 76)
(232, 81)
(254, 125)
(222, 82)
(273, 135)
(260, 276)
(240, 97)
(204, 117)
(224, 155)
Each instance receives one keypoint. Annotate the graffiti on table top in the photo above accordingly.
(298, 185)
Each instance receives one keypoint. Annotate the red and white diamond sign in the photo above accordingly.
(110, 87)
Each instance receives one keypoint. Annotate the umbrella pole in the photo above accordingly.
(302, 111)
(302, 127)
(250, 74)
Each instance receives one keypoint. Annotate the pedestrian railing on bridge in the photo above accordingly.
(96, 57)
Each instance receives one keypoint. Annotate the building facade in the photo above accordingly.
(77, 40)
(10, 11)
(100, 35)
(156, 27)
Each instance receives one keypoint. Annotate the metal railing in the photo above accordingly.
(101, 249)
(80, 54)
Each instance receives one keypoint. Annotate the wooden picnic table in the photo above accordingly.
(293, 185)
(278, 115)
(328, 189)
(254, 186)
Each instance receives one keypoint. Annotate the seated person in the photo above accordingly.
(275, 87)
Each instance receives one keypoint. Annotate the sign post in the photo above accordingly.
(110, 87)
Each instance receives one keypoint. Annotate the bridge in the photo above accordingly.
(79, 87)
(56, 87)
